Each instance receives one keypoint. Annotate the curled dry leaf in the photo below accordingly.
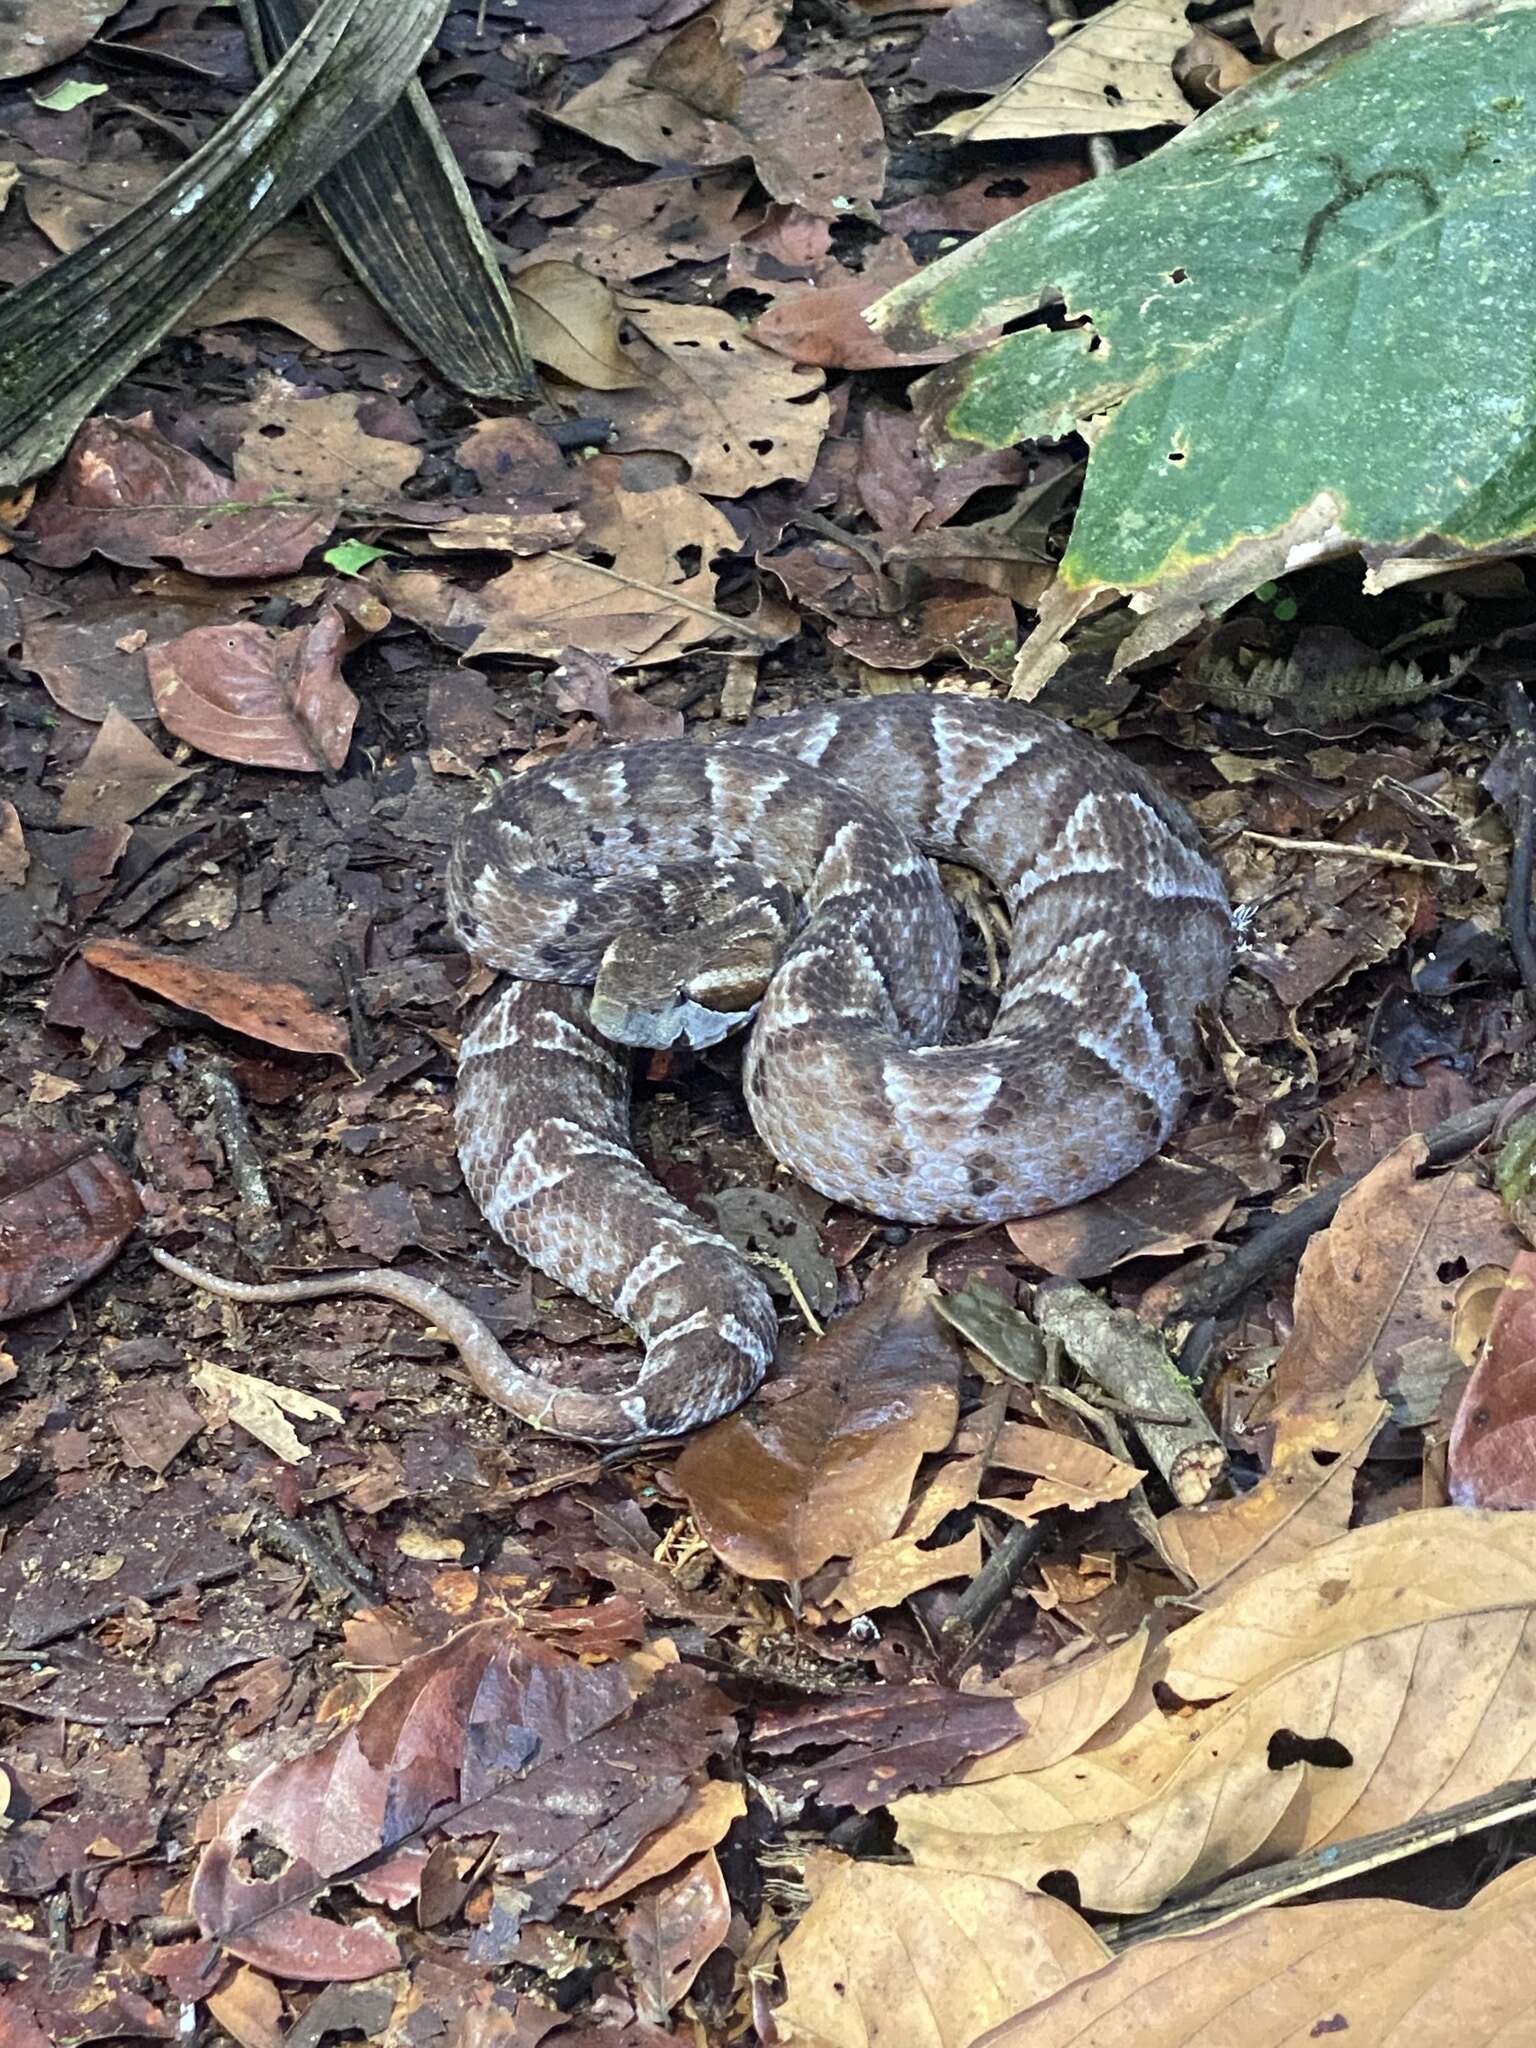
(925, 1958)
(267, 699)
(570, 322)
(131, 495)
(1374, 1972)
(569, 1764)
(276, 1012)
(1493, 1439)
(66, 1207)
(1069, 1473)
(1346, 1657)
(703, 1824)
(823, 1466)
(262, 1408)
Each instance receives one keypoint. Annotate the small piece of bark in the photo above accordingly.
(1129, 1361)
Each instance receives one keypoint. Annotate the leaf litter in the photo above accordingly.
(910, 1701)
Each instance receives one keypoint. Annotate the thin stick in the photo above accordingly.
(983, 1598)
(1384, 856)
(1517, 904)
(259, 1229)
(1317, 1868)
(1214, 1288)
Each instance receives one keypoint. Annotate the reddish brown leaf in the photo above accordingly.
(821, 1465)
(246, 693)
(886, 1740)
(127, 493)
(276, 1012)
(65, 1208)
(672, 1931)
(1493, 1439)
(569, 1764)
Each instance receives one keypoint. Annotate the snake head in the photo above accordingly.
(698, 977)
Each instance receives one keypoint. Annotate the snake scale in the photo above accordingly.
(671, 890)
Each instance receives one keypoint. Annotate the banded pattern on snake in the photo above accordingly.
(787, 866)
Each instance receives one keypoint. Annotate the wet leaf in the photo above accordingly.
(671, 1932)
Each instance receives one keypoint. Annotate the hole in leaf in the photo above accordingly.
(1287, 1747)
(1063, 1885)
(689, 559)
(1114, 95)
(1451, 1269)
(1178, 277)
(1176, 455)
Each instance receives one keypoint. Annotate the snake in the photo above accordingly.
(783, 880)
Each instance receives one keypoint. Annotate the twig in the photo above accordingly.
(1129, 1360)
(1217, 1287)
(1517, 904)
(259, 1230)
(1328, 1865)
(982, 1599)
(1384, 856)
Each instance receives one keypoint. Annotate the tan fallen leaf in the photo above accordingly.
(926, 1959)
(123, 774)
(1307, 1496)
(570, 322)
(317, 450)
(1069, 1473)
(1395, 1660)
(1373, 1972)
(1113, 73)
(1067, 1710)
(262, 1408)
(740, 415)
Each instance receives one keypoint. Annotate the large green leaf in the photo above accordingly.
(1308, 322)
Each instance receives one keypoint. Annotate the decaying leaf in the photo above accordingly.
(66, 1207)
(823, 1467)
(276, 1012)
(262, 1408)
(123, 774)
(1493, 1439)
(247, 693)
(671, 1932)
(1113, 73)
(568, 1764)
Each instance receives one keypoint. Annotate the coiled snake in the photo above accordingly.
(666, 890)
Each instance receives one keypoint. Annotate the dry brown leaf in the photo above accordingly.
(738, 414)
(1067, 1710)
(822, 1465)
(1493, 1439)
(670, 1934)
(1166, 1206)
(1287, 27)
(33, 37)
(570, 323)
(14, 858)
(1209, 67)
(66, 1208)
(926, 1959)
(1112, 74)
(1396, 1659)
(887, 1573)
(123, 774)
(1376, 1973)
(262, 1407)
(268, 699)
(703, 1824)
(317, 450)
(276, 1012)
(296, 279)
(817, 142)
(1370, 1285)
(651, 600)
(1307, 1496)
(1071, 1474)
